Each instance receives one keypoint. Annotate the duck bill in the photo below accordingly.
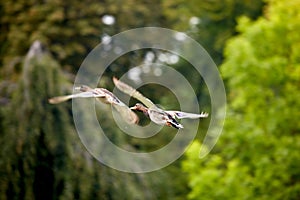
(133, 108)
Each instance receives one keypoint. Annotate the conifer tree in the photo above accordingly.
(36, 138)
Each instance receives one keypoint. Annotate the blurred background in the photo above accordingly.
(256, 45)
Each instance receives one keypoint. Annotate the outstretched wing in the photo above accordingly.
(125, 112)
(181, 115)
(128, 115)
(132, 92)
(88, 94)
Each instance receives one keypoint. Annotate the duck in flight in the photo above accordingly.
(104, 96)
(157, 115)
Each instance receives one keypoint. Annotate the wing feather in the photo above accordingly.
(59, 99)
(101, 94)
(128, 115)
(133, 92)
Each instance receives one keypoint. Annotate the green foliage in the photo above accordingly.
(210, 22)
(41, 155)
(257, 155)
(42, 158)
(71, 29)
(52, 22)
(33, 147)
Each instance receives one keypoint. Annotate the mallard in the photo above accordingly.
(104, 96)
(157, 115)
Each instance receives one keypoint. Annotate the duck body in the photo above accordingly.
(156, 114)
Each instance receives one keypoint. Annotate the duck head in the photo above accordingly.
(140, 107)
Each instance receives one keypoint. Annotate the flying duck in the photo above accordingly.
(104, 96)
(157, 115)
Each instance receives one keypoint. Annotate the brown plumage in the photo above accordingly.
(157, 115)
(104, 96)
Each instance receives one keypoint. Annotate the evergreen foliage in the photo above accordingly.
(71, 29)
(37, 137)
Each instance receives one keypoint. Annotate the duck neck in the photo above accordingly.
(143, 109)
